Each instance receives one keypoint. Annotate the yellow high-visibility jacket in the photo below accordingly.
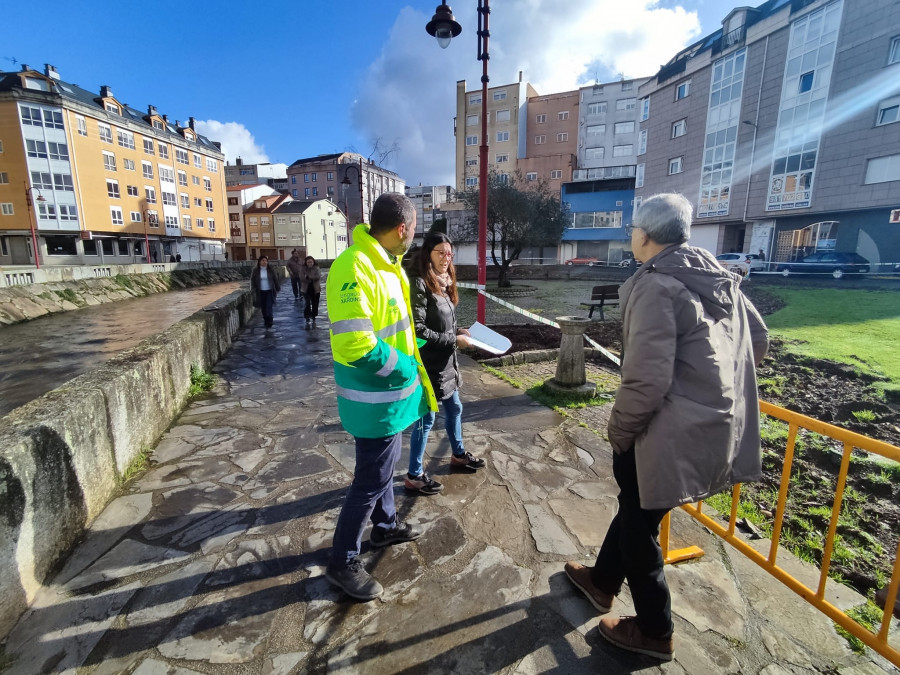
(382, 387)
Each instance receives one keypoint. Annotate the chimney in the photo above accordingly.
(165, 119)
(50, 71)
(191, 123)
(106, 92)
(151, 110)
(177, 124)
(25, 67)
(520, 76)
(218, 145)
(239, 161)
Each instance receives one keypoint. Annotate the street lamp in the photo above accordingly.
(149, 217)
(32, 221)
(444, 27)
(346, 183)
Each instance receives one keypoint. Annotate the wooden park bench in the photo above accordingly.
(602, 296)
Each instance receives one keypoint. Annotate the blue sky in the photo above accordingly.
(321, 76)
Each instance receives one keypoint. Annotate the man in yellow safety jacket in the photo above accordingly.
(381, 385)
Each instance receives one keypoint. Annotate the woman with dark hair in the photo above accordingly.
(264, 286)
(434, 297)
(311, 288)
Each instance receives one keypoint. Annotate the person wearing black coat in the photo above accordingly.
(264, 286)
(434, 296)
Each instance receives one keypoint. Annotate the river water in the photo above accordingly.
(37, 356)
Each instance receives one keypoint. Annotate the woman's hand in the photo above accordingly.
(463, 341)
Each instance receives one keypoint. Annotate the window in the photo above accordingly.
(109, 161)
(199, 202)
(624, 128)
(475, 99)
(53, 120)
(171, 221)
(212, 224)
(306, 178)
(306, 192)
(502, 158)
(471, 140)
(596, 130)
(531, 175)
(182, 178)
(888, 111)
(168, 198)
(330, 190)
(562, 137)
(105, 132)
(6, 208)
(626, 104)
(540, 119)
(147, 170)
(315, 177)
(329, 175)
(500, 95)
(207, 184)
(128, 164)
(562, 115)
(679, 128)
(639, 176)
(47, 211)
(112, 107)
(627, 86)
(58, 151)
(32, 116)
(594, 153)
(4, 249)
(645, 109)
(150, 193)
(41, 180)
(195, 180)
(148, 146)
(153, 218)
(315, 192)
(166, 174)
(676, 165)
(540, 140)
(883, 169)
(806, 82)
(4, 177)
(894, 51)
(132, 190)
(112, 189)
(197, 162)
(135, 216)
(63, 181)
(683, 90)
(36, 148)
(597, 108)
(123, 247)
(555, 174)
(209, 205)
(61, 245)
(471, 181)
(212, 165)
(163, 150)
(116, 214)
(503, 115)
(642, 142)
(622, 150)
(157, 124)
(185, 222)
(125, 138)
(472, 161)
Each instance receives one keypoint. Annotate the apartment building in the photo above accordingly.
(426, 199)
(273, 175)
(507, 114)
(259, 224)
(241, 197)
(348, 179)
(96, 180)
(551, 139)
(314, 227)
(783, 129)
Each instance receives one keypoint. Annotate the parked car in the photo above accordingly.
(582, 261)
(756, 263)
(835, 263)
(735, 262)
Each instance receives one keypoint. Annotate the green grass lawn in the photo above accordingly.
(857, 327)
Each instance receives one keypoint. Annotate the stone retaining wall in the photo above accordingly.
(63, 455)
(61, 292)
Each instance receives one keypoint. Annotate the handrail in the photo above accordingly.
(877, 641)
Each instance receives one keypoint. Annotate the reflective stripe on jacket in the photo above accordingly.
(381, 385)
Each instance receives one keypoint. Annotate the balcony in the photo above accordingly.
(730, 39)
(604, 173)
(671, 70)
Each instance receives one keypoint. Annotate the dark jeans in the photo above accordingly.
(311, 310)
(631, 551)
(295, 286)
(266, 303)
(371, 496)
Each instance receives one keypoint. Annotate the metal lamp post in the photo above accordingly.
(346, 183)
(444, 27)
(32, 221)
(146, 235)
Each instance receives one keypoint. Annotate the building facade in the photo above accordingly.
(273, 175)
(426, 199)
(783, 130)
(241, 197)
(96, 181)
(314, 227)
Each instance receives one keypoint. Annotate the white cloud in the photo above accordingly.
(236, 140)
(409, 92)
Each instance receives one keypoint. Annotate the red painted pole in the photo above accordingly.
(484, 11)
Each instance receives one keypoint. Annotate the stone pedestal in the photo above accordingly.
(570, 373)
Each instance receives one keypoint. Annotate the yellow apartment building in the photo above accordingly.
(94, 181)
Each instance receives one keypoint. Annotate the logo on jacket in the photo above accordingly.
(349, 286)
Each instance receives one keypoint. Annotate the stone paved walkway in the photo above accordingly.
(212, 562)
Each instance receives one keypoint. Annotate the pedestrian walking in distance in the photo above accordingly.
(264, 286)
(381, 385)
(311, 288)
(685, 422)
(295, 270)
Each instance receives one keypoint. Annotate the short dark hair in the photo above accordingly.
(390, 210)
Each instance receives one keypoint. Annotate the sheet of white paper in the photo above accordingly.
(487, 339)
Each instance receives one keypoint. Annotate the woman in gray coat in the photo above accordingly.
(685, 423)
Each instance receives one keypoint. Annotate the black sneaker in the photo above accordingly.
(354, 580)
(423, 484)
(466, 461)
(399, 533)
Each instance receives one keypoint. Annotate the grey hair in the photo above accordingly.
(665, 218)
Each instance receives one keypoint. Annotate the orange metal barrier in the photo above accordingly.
(878, 640)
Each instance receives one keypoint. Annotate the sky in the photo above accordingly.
(326, 76)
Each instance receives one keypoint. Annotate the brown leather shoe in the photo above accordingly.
(581, 576)
(624, 632)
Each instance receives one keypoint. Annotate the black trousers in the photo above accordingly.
(266, 304)
(311, 310)
(295, 286)
(631, 552)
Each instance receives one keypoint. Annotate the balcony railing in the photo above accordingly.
(730, 39)
(604, 173)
